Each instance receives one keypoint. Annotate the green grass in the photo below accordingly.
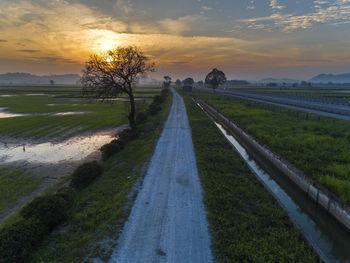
(100, 210)
(246, 222)
(317, 145)
(13, 184)
(336, 91)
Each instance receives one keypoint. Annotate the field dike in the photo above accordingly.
(323, 197)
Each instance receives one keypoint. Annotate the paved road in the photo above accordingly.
(324, 109)
(168, 220)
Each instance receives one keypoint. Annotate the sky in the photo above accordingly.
(247, 39)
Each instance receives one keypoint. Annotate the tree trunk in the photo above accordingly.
(132, 111)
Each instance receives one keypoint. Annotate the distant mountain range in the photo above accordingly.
(236, 82)
(26, 78)
(281, 80)
(325, 78)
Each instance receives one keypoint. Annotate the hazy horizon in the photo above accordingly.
(247, 39)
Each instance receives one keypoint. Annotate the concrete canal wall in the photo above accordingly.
(316, 192)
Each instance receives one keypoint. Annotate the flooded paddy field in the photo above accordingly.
(51, 112)
(43, 137)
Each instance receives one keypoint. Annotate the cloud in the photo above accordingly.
(28, 50)
(124, 7)
(274, 5)
(206, 8)
(54, 59)
(3, 41)
(179, 62)
(321, 2)
(324, 12)
(251, 5)
(180, 25)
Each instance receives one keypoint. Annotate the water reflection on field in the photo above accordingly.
(72, 149)
(4, 113)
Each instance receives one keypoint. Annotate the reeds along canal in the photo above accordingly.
(329, 238)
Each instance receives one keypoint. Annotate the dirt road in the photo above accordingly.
(168, 220)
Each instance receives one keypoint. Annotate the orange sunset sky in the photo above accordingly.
(247, 39)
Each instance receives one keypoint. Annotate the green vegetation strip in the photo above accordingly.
(246, 222)
(317, 145)
(99, 211)
(13, 184)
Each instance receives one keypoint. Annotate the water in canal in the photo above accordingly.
(329, 239)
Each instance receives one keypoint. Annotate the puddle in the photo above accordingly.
(126, 99)
(110, 99)
(71, 113)
(6, 96)
(54, 104)
(4, 113)
(36, 94)
(72, 149)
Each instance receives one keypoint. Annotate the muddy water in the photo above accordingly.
(330, 240)
(72, 149)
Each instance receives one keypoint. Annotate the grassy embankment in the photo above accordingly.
(99, 211)
(99, 115)
(13, 184)
(246, 222)
(317, 145)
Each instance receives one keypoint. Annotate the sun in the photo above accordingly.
(103, 40)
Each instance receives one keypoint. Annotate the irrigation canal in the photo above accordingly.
(329, 239)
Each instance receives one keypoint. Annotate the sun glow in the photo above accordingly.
(104, 40)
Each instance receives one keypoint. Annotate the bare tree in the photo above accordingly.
(114, 72)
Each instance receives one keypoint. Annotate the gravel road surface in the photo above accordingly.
(168, 220)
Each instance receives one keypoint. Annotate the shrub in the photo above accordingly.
(111, 148)
(67, 193)
(51, 210)
(165, 92)
(141, 117)
(153, 109)
(158, 99)
(18, 240)
(127, 135)
(85, 174)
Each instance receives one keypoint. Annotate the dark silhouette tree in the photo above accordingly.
(188, 82)
(52, 82)
(167, 82)
(178, 82)
(115, 72)
(215, 78)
